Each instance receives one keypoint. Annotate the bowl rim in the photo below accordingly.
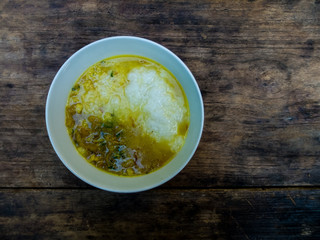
(50, 96)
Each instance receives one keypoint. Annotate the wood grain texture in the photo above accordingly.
(256, 63)
(160, 214)
(257, 66)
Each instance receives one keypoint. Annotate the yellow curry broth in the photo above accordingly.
(113, 141)
(112, 146)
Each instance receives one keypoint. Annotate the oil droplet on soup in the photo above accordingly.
(127, 115)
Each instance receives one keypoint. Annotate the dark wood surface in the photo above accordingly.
(256, 173)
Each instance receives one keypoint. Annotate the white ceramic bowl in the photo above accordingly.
(70, 72)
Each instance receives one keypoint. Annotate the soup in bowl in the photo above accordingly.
(124, 114)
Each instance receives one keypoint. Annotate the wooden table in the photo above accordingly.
(256, 173)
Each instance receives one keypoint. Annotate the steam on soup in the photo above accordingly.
(127, 115)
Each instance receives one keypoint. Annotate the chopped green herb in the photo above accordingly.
(112, 163)
(107, 124)
(118, 134)
(76, 87)
(111, 74)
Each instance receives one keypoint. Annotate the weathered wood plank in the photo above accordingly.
(256, 63)
(160, 214)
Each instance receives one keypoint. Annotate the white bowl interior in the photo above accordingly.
(70, 72)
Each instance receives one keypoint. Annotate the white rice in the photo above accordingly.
(149, 96)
